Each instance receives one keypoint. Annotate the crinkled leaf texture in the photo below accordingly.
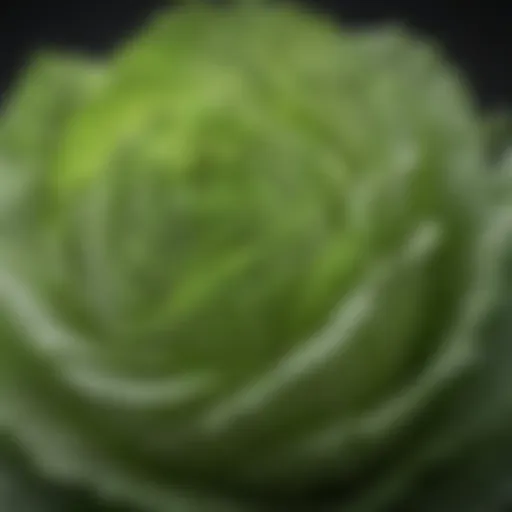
(150, 354)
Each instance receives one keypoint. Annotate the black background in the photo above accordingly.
(477, 35)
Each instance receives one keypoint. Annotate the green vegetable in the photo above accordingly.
(253, 262)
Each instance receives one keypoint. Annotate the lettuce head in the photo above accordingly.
(249, 261)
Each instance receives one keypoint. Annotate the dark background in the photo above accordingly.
(477, 35)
